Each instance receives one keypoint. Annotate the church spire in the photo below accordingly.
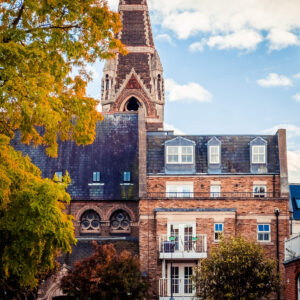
(135, 80)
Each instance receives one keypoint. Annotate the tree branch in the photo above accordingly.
(18, 18)
(66, 27)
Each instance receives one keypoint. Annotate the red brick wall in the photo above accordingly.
(229, 184)
(292, 271)
(105, 209)
(243, 222)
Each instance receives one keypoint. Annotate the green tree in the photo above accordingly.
(41, 42)
(236, 269)
(33, 226)
(106, 275)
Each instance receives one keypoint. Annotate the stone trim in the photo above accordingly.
(140, 49)
(133, 7)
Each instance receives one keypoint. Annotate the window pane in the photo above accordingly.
(214, 154)
(260, 227)
(260, 237)
(96, 176)
(126, 176)
(298, 203)
(266, 227)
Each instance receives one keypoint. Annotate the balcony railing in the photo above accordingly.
(292, 248)
(182, 289)
(211, 195)
(182, 247)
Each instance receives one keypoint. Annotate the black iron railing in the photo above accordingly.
(212, 195)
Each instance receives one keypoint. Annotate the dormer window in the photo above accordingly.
(214, 154)
(258, 154)
(180, 155)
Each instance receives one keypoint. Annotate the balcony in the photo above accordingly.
(292, 248)
(182, 247)
(212, 195)
(182, 289)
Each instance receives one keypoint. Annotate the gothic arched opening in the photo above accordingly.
(132, 104)
(120, 222)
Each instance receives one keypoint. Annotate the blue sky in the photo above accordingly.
(230, 67)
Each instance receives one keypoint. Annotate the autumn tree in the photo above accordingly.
(41, 42)
(32, 223)
(106, 275)
(237, 269)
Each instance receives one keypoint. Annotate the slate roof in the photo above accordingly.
(114, 151)
(295, 194)
(84, 248)
(235, 153)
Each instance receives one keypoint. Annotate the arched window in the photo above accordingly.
(90, 222)
(107, 82)
(120, 222)
(132, 104)
(158, 82)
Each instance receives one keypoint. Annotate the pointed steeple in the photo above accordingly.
(135, 80)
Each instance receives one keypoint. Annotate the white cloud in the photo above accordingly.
(173, 128)
(198, 46)
(273, 80)
(297, 76)
(280, 39)
(277, 20)
(113, 4)
(294, 166)
(191, 91)
(292, 130)
(164, 37)
(297, 97)
(242, 40)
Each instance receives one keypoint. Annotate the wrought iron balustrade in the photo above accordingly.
(212, 195)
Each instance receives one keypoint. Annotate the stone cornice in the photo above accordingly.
(133, 7)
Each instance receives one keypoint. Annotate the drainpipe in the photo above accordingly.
(277, 212)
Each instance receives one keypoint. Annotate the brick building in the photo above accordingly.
(167, 198)
(292, 247)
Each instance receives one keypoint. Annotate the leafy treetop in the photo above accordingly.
(33, 225)
(106, 275)
(236, 270)
(40, 43)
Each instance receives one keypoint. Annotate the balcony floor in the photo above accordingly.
(182, 255)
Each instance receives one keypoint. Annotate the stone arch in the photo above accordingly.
(121, 207)
(86, 208)
(148, 106)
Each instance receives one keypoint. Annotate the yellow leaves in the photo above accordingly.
(36, 58)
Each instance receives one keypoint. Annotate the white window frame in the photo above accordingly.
(255, 156)
(218, 232)
(180, 154)
(181, 278)
(180, 189)
(264, 232)
(260, 194)
(181, 234)
(213, 161)
(215, 193)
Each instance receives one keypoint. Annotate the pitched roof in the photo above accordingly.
(114, 151)
(235, 153)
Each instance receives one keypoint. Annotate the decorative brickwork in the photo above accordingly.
(138, 74)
